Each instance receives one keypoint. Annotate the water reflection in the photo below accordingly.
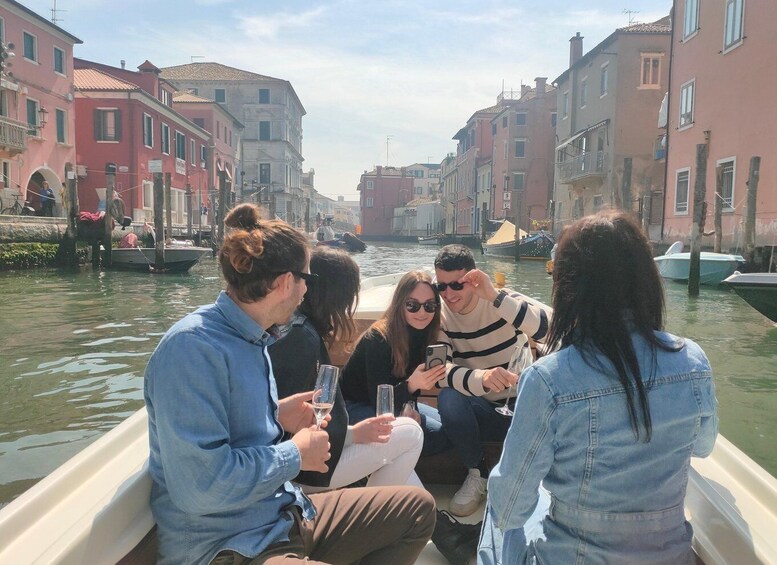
(73, 347)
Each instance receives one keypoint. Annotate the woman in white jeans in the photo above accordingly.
(383, 448)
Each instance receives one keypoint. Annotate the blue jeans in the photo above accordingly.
(435, 439)
(469, 421)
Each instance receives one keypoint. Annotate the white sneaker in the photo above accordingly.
(470, 495)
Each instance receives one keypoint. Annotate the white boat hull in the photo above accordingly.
(177, 259)
(714, 267)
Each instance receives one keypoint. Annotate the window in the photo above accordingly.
(5, 175)
(493, 129)
(520, 119)
(165, 139)
(598, 202)
(264, 96)
(691, 19)
(369, 202)
(520, 181)
(167, 98)
(220, 95)
(192, 152)
(180, 145)
(604, 78)
(264, 131)
(728, 171)
(577, 211)
(2, 35)
(370, 185)
(264, 173)
(686, 103)
(30, 47)
(230, 138)
(218, 129)
(651, 70)
(504, 122)
(681, 191)
(733, 25)
(61, 119)
(107, 124)
(203, 156)
(148, 130)
(520, 148)
(553, 119)
(583, 92)
(199, 122)
(32, 116)
(59, 61)
(565, 106)
(419, 190)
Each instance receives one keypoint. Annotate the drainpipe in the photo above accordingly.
(668, 119)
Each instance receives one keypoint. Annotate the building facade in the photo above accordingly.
(127, 118)
(272, 115)
(426, 179)
(722, 66)
(37, 118)
(608, 102)
(383, 190)
(523, 156)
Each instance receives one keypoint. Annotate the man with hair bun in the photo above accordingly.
(220, 469)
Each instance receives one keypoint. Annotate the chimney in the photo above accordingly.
(123, 64)
(575, 49)
(525, 88)
(540, 83)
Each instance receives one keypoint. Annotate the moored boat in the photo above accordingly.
(95, 508)
(178, 258)
(430, 240)
(530, 246)
(714, 267)
(759, 290)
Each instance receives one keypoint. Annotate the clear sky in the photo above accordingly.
(365, 70)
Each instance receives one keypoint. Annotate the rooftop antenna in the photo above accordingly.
(630, 12)
(55, 12)
(388, 138)
(193, 57)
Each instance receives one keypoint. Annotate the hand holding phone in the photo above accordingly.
(435, 355)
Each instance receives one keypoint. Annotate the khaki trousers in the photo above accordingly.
(368, 526)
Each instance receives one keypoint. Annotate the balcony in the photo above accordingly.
(589, 164)
(13, 136)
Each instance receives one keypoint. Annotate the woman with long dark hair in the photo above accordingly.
(608, 422)
(384, 448)
(392, 351)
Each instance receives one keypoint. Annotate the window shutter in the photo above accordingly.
(117, 114)
(98, 126)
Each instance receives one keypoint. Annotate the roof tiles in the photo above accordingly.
(92, 79)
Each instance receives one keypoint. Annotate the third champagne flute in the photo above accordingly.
(520, 359)
(325, 392)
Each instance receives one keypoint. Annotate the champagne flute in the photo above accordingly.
(385, 404)
(325, 392)
(520, 359)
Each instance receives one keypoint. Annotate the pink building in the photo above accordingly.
(37, 121)
(723, 63)
(127, 118)
(382, 190)
(524, 133)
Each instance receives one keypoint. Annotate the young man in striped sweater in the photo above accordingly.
(481, 327)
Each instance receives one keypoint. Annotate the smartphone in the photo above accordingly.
(435, 355)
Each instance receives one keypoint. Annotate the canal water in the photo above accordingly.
(73, 347)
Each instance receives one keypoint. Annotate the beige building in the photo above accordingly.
(272, 115)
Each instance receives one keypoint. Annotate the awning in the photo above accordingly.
(663, 111)
(582, 132)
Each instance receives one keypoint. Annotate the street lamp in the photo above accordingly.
(42, 117)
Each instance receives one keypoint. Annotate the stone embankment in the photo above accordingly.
(31, 229)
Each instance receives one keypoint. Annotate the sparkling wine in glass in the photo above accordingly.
(520, 359)
(325, 392)
(385, 401)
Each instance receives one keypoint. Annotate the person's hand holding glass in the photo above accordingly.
(325, 392)
(520, 359)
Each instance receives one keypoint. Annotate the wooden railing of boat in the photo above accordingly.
(95, 509)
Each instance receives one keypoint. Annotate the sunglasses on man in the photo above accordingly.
(413, 306)
(309, 278)
(454, 286)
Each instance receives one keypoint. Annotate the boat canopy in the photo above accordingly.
(505, 233)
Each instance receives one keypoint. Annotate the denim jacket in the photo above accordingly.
(220, 471)
(614, 499)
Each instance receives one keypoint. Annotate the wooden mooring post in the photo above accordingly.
(159, 225)
(67, 248)
(718, 209)
(626, 186)
(699, 192)
(752, 192)
(110, 183)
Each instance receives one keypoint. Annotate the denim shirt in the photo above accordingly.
(220, 471)
(614, 499)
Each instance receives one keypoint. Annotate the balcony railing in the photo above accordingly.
(585, 165)
(13, 136)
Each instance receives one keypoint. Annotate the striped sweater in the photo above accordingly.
(486, 337)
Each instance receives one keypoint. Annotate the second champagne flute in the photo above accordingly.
(325, 392)
(384, 403)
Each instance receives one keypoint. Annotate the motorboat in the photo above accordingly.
(326, 235)
(530, 246)
(714, 267)
(430, 239)
(759, 290)
(178, 258)
(95, 509)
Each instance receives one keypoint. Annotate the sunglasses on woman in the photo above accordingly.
(454, 286)
(413, 306)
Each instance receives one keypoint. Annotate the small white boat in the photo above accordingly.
(714, 267)
(95, 508)
(759, 290)
(178, 258)
(430, 239)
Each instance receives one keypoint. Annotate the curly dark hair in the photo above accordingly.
(454, 257)
(256, 251)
